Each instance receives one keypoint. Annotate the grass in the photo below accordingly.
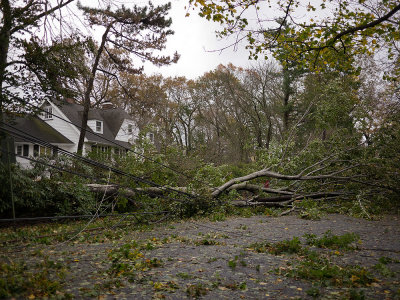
(347, 241)
(130, 262)
(382, 266)
(317, 267)
(286, 246)
(129, 259)
(196, 290)
(99, 231)
(321, 270)
(17, 280)
(184, 275)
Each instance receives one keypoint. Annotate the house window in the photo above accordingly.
(45, 151)
(35, 150)
(130, 128)
(48, 113)
(19, 150)
(103, 151)
(25, 150)
(55, 151)
(99, 126)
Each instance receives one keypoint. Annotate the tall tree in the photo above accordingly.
(179, 94)
(26, 56)
(139, 31)
(260, 99)
(328, 28)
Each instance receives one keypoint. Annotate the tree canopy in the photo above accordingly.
(127, 33)
(317, 34)
(33, 60)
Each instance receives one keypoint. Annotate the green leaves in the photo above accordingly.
(345, 28)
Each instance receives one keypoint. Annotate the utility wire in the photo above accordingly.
(55, 218)
(113, 142)
(82, 175)
(93, 162)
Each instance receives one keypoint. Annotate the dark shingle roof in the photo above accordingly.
(31, 126)
(112, 121)
(95, 114)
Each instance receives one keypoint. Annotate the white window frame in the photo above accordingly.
(130, 128)
(48, 112)
(99, 124)
(25, 150)
(19, 150)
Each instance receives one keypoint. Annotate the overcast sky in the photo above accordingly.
(194, 38)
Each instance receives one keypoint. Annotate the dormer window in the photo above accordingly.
(48, 113)
(99, 126)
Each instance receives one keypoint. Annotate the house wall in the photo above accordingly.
(65, 128)
(26, 163)
(92, 125)
(123, 134)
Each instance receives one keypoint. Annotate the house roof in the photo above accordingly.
(112, 120)
(26, 128)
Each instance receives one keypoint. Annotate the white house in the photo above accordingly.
(110, 130)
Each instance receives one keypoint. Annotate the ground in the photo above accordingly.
(237, 258)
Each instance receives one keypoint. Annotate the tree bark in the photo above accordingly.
(86, 101)
(4, 45)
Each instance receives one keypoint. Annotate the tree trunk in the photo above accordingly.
(286, 95)
(86, 100)
(4, 45)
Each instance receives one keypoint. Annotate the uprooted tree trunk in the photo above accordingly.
(259, 194)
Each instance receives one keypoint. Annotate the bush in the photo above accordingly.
(37, 194)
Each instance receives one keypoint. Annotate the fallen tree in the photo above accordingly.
(253, 194)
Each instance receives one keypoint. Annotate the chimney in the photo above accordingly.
(107, 105)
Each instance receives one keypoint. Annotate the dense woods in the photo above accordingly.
(319, 122)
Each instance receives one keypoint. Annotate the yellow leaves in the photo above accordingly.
(158, 285)
(364, 41)
(375, 284)
(354, 278)
(31, 296)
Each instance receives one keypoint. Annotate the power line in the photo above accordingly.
(80, 216)
(113, 142)
(92, 162)
(83, 175)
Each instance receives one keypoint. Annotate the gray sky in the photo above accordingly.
(194, 38)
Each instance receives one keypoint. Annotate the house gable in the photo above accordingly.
(59, 124)
(105, 126)
(128, 131)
